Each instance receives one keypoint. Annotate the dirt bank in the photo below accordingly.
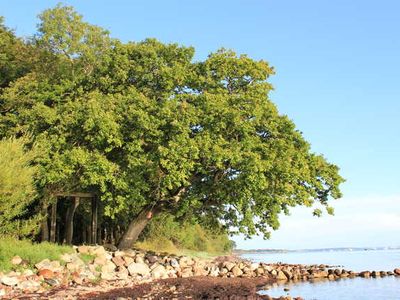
(190, 288)
(172, 288)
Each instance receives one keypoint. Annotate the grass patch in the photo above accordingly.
(164, 245)
(87, 258)
(33, 253)
(189, 238)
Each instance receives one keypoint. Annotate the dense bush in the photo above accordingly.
(165, 233)
(17, 191)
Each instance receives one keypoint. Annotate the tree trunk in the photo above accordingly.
(44, 230)
(69, 221)
(136, 227)
(95, 208)
(44, 225)
(53, 221)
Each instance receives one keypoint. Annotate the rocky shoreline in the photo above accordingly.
(93, 269)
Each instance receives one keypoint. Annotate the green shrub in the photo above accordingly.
(33, 253)
(17, 191)
(164, 233)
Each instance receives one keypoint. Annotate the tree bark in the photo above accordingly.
(95, 204)
(44, 226)
(69, 221)
(44, 230)
(136, 227)
(53, 221)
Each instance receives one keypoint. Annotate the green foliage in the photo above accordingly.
(79, 45)
(17, 190)
(165, 233)
(32, 253)
(13, 56)
(143, 125)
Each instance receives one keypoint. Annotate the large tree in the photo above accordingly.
(151, 130)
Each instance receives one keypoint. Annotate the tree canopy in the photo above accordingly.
(147, 127)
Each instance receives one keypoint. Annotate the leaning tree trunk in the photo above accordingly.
(136, 227)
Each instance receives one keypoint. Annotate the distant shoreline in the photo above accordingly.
(339, 249)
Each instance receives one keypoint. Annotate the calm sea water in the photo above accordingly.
(387, 288)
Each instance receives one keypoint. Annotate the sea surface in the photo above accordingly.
(387, 288)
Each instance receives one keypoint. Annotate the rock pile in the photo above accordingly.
(94, 263)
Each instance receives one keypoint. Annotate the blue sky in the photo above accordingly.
(337, 77)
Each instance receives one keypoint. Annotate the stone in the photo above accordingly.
(46, 273)
(268, 268)
(10, 281)
(16, 260)
(187, 272)
(200, 271)
(72, 266)
(260, 271)
(396, 271)
(44, 264)
(100, 260)
(365, 274)
(118, 261)
(98, 250)
(288, 274)
(29, 285)
(52, 281)
(128, 260)
(28, 272)
(119, 253)
(375, 274)
(254, 266)
(337, 272)
(229, 265)
(138, 269)
(84, 249)
(236, 271)
(214, 271)
(50, 265)
(281, 276)
(122, 273)
(159, 272)
(185, 261)
(152, 259)
(66, 257)
(110, 247)
(174, 263)
(320, 274)
(139, 259)
(107, 276)
(129, 252)
(108, 267)
(76, 278)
